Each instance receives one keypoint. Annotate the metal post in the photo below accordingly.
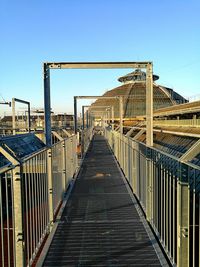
(149, 104)
(183, 211)
(149, 188)
(47, 104)
(75, 115)
(13, 116)
(50, 186)
(29, 118)
(112, 115)
(83, 132)
(106, 118)
(83, 117)
(121, 113)
(90, 120)
(18, 217)
(64, 173)
(108, 111)
(87, 119)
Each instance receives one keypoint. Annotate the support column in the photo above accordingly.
(75, 115)
(47, 104)
(29, 118)
(112, 115)
(83, 118)
(183, 200)
(83, 133)
(149, 104)
(13, 117)
(121, 114)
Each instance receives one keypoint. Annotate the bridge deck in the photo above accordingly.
(100, 225)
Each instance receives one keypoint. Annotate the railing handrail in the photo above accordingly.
(6, 168)
(158, 150)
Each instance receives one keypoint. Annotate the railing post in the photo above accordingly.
(74, 153)
(71, 158)
(149, 185)
(18, 217)
(64, 174)
(50, 186)
(134, 166)
(75, 115)
(183, 218)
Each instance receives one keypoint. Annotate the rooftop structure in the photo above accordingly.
(133, 91)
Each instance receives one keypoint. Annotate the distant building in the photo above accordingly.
(37, 121)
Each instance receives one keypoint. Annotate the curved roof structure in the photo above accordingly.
(134, 95)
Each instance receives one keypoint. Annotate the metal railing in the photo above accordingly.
(31, 193)
(35, 192)
(169, 193)
(86, 137)
(6, 218)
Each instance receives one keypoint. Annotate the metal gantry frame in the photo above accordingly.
(120, 98)
(148, 65)
(96, 108)
(13, 113)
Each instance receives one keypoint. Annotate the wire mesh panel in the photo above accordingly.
(74, 153)
(86, 138)
(71, 157)
(36, 211)
(58, 179)
(6, 220)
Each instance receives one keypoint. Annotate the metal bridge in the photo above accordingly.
(126, 205)
(123, 203)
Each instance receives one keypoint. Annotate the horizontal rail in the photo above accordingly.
(96, 65)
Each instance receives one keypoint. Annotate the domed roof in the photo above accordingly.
(134, 96)
(137, 75)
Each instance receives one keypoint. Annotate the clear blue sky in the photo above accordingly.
(166, 32)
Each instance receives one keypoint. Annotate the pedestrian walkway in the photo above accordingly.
(101, 225)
